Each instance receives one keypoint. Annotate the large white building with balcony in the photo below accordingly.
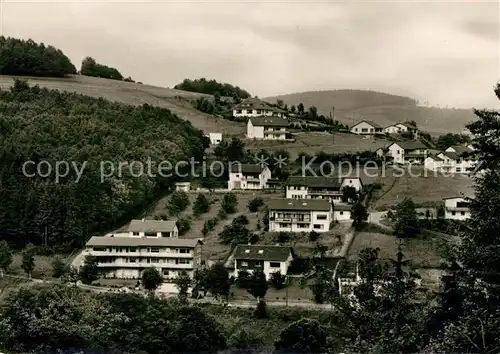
(248, 176)
(148, 243)
(319, 187)
(405, 152)
(300, 215)
(267, 128)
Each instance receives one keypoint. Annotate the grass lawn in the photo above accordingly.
(422, 189)
(295, 292)
(423, 252)
(314, 142)
(42, 270)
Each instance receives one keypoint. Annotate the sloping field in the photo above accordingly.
(424, 187)
(314, 142)
(137, 94)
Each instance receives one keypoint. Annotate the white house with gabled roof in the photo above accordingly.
(253, 107)
(267, 128)
(248, 176)
(300, 215)
(456, 208)
(366, 127)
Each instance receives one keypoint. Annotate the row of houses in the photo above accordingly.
(367, 127)
(455, 159)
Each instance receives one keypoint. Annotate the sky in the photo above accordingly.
(447, 53)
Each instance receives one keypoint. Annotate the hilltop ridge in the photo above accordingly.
(352, 106)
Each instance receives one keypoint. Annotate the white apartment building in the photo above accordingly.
(399, 128)
(300, 215)
(407, 152)
(248, 176)
(366, 127)
(268, 259)
(253, 107)
(456, 208)
(318, 187)
(149, 243)
(267, 128)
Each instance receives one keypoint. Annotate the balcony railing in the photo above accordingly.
(144, 265)
(324, 192)
(291, 219)
(140, 254)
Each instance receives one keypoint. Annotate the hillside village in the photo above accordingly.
(285, 209)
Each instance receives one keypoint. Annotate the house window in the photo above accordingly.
(238, 111)
(150, 234)
(100, 249)
(135, 233)
(459, 169)
(244, 264)
(341, 213)
(355, 129)
(463, 213)
(131, 249)
(318, 226)
(258, 111)
(274, 264)
(132, 260)
(453, 213)
(166, 273)
(283, 225)
(182, 261)
(184, 250)
(321, 217)
(154, 260)
(154, 250)
(249, 111)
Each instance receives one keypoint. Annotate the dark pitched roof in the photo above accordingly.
(255, 103)
(142, 241)
(269, 122)
(245, 168)
(262, 252)
(341, 207)
(315, 182)
(435, 157)
(373, 124)
(151, 226)
(460, 149)
(410, 145)
(452, 155)
(299, 204)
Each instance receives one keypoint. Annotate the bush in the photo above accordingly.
(91, 68)
(283, 237)
(242, 219)
(229, 203)
(278, 280)
(201, 205)
(178, 202)
(246, 339)
(261, 310)
(255, 204)
(222, 214)
(313, 236)
(184, 225)
(20, 57)
(242, 279)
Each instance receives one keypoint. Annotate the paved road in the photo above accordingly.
(209, 300)
(376, 217)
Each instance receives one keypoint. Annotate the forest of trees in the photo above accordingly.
(91, 68)
(212, 87)
(39, 124)
(20, 57)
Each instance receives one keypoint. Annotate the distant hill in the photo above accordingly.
(356, 105)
